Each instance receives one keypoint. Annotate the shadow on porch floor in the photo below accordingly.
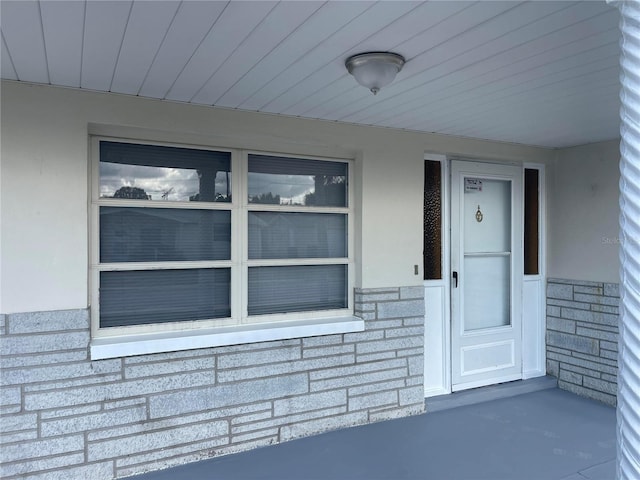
(546, 434)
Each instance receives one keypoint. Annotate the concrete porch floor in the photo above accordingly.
(545, 434)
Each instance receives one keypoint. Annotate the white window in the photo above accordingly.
(194, 247)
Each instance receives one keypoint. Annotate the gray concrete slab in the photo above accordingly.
(606, 470)
(549, 434)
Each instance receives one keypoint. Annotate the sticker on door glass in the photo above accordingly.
(472, 185)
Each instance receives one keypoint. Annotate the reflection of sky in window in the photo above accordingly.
(291, 188)
(155, 181)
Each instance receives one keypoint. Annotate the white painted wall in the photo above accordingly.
(583, 213)
(43, 189)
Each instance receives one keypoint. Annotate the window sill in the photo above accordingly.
(116, 347)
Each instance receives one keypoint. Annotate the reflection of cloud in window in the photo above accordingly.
(155, 181)
(290, 188)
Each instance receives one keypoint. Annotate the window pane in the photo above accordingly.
(297, 288)
(153, 172)
(432, 248)
(294, 181)
(297, 235)
(531, 216)
(158, 296)
(164, 234)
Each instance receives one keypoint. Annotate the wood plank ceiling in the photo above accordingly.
(535, 73)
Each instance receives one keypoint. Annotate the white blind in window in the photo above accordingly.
(159, 296)
(129, 234)
(297, 235)
(297, 288)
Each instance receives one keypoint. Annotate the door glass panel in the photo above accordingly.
(487, 253)
(487, 286)
(490, 202)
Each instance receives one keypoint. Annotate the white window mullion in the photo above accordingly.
(94, 237)
(284, 262)
(351, 241)
(239, 290)
(122, 267)
(106, 202)
(94, 300)
(265, 207)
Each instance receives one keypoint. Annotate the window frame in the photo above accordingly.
(239, 264)
(247, 207)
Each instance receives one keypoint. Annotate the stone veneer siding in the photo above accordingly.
(582, 337)
(64, 416)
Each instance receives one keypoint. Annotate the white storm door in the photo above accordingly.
(486, 268)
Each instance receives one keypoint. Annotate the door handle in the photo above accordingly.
(455, 277)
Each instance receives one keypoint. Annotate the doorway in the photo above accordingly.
(486, 274)
(483, 222)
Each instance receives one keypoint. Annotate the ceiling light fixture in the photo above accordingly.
(375, 70)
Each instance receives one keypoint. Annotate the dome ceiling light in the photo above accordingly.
(375, 70)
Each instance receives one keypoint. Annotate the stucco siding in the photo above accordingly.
(44, 187)
(583, 213)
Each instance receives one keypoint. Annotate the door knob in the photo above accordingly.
(455, 278)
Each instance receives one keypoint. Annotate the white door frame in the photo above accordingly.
(437, 336)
